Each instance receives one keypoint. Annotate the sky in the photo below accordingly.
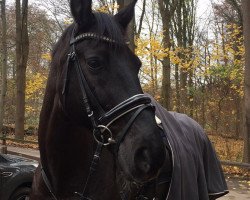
(204, 8)
(203, 5)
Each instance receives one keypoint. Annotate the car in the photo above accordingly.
(16, 175)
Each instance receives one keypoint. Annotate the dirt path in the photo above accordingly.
(239, 189)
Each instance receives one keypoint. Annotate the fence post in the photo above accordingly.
(3, 149)
(4, 139)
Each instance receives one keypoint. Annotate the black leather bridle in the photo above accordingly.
(135, 104)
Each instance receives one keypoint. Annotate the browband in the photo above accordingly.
(91, 36)
(95, 36)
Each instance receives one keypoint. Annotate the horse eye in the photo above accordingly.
(94, 64)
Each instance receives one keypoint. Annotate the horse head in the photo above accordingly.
(110, 72)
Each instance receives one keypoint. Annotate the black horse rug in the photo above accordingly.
(197, 173)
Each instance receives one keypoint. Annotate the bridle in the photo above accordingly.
(100, 125)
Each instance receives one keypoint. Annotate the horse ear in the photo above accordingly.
(125, 15)
(82, 12)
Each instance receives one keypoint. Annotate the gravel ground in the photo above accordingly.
(239, 189)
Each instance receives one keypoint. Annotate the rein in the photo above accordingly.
(136, 104)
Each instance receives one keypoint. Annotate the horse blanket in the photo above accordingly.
(197, 173)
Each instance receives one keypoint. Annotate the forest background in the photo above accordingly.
(193, 62)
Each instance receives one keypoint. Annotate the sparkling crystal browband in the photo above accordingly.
(92, 36)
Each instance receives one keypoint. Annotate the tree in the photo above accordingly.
(184, 24)
(22, 52)
(166, 11)
(246, 22)
(178, 20)
(230, 11)
(59, 11)
(43, 33)
(4, 63)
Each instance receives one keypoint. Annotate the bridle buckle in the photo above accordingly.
(103, 129)
(72, 55)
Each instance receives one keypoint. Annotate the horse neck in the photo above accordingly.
(66, 149)
(67, 152)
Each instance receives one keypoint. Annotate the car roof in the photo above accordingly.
(13, 158)
(3, 158)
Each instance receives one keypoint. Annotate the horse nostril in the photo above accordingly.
(147, 162)
(144, 166)
(143, 160)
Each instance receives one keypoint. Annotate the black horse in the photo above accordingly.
(98, 136)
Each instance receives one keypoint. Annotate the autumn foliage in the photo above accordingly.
(213, 63)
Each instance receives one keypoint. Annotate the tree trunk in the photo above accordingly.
(166, 66)
(238, 119)
(141, 19)
(183, 91)
(4, 63)
(246, 15)
(22, 52)
(177, 89)
(191, 94)
(203, 107)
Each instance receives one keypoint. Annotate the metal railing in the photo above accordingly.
(4, 139)
(235, 164)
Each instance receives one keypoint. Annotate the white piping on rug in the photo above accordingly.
(159, 123)
(218, 193)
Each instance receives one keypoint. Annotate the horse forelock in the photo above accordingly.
(105, 25)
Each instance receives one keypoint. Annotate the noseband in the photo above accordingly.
(100, 125)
